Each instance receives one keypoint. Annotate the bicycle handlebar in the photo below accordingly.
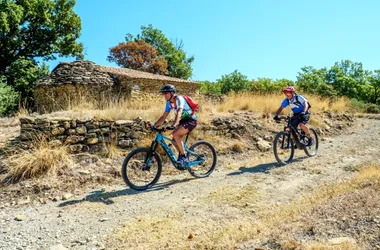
(151, 127)
(160, 130)
(280, 118)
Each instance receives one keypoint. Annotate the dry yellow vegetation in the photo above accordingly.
(44, 160)
(180, 231)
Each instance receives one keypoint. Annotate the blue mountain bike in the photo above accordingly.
(142, 167)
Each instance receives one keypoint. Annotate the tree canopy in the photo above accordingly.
(138, 55)
(33, 30)
(179, 65)
(344, 78)
(38, 28)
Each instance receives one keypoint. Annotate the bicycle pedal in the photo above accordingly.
(179, 166)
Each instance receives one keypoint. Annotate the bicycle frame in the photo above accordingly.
(160, 140)
(295, 134)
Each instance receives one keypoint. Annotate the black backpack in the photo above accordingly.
(298, 101)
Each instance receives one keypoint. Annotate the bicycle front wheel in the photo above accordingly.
(141, 169)
(203, 150)
(283, 148)
(313, 149)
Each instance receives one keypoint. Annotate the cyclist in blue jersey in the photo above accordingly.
(300, 108)
(184, 122)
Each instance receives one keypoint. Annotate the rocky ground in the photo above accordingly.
(90, 217)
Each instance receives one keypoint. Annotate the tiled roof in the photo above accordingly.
(135, 74)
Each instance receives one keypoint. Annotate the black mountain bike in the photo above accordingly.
(291, 138)
(143, 166)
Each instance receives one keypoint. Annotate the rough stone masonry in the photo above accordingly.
(82, 134)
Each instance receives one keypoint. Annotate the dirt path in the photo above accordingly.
(85, 221)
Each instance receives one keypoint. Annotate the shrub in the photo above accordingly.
(359, 106)
(372, 108)
(8, 98)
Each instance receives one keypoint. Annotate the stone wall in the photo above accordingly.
(83, 134)
(93, 135)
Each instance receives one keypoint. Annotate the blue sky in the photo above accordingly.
(259, 38)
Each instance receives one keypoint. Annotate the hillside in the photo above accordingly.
(248, 202)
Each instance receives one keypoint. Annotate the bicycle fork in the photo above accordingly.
(149, 156)
(285, 144)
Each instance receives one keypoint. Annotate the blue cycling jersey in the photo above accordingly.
(296, 106)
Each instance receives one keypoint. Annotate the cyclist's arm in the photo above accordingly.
(279, 111)
(305, 106)
(304, 103)
(177, 117)
(161, 120)
(283, 105)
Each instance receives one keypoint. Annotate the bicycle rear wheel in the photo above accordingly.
(283, 148)
(140, 172)
(313, 149)
(203, 150)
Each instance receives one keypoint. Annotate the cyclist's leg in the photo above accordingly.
(178, 134)
(305, 129)
(185, 126)
(294, 121)
(303, 121)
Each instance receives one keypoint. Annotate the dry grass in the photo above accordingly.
(268, 104)
(367, 176)
(282, 222)
(176, 231)
(234, 196)
(153, 109)
(41, 161)
(126, 110)
(273, 224)
(326, 246)
(113, 151)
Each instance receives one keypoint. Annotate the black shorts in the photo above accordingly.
(189, 124)
(298, 118)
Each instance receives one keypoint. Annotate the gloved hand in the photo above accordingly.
(171, 127)
(276, 118)
(152, 127)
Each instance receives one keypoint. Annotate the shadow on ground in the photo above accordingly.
(105, 197)
(263, 168)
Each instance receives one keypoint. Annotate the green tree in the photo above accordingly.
(267, 85)
(22, 74)
(179, 65)
(38, 28)
(349, 79)
(309, 79)
(8, 98)
(31, 30)
(207, 87)
(234, 81)
(375, 83)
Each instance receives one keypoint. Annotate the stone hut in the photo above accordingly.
(70, 84)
